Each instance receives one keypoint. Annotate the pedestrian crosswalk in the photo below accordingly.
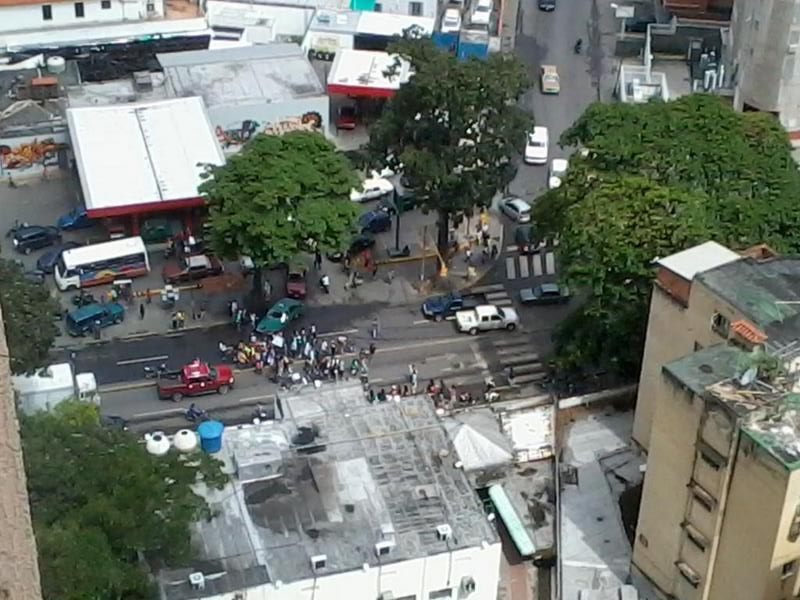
(523, 266)
(515, 359)
(495, 294)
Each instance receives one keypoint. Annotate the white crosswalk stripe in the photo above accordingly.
(536, 259)
(510, 272)
(550, 263)
(523, 267)
(514, 357)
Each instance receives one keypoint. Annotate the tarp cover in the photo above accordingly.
(477, 438)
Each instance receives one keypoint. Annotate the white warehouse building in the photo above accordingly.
(342, 500)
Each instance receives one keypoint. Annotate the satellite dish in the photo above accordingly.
(748, 376)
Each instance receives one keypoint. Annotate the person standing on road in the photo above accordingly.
(141, 311)
(317, 260)
(494, 251)
(413, 377)
(468, 255)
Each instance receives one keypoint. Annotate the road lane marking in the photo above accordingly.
(511, 248)
(550, 263)
(510, 274)
(337, 333)
(255, 398)
(135, 361)
(420, 322)
(523, 267)
(536, 259)
(168, 411)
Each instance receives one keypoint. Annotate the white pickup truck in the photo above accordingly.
(485, 318)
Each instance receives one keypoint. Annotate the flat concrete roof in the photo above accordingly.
(688, 263)
(335, 477)
(148, 156)
(258, 74)
(363, 73)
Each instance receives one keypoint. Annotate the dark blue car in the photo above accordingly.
(375, 221)
(75, 219)
(47, 261)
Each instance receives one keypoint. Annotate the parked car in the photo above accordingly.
(85, 319)
(372, 188)
(296, 283)
(536, 148)
(547, 5)
(47, 261)
(375, 221)
(158, 231)
(192, 268)
(36, 276)
(482, 12)
(516, 209)
(75, 219)
(558, 168)
(441, 307)
(546, 293)
(32, 237)
(280, 315)
(451, 21)
(549, 79)
(525, 239)
(486, 317)
(347, 118)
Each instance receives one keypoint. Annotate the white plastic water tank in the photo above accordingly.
(56, 64)
(157, 444)
(185, 441)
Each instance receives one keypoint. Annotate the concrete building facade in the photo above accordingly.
(766, 70)
(720, 511)
(21, 15)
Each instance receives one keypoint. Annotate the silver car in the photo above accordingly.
(516, 209)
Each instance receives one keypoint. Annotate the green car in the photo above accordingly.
(158, 231)
(280, 315)
(83, 320)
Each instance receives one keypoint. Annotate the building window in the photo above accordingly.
(151, 8)
(105, 4)
(441, 594)
(788, 569)
(720, 324)
(415, 9)
(79, 10)
(378, 7)
(47, 12)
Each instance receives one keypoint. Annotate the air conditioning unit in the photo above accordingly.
(197, 580)
(383, 548)
(444, 532)
(319, 561)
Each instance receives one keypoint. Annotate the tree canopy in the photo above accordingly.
(281, 195)
(653, 179)
(98, 500)
(28, 315)
(453, 128)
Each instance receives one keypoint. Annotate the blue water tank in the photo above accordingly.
(211, 436)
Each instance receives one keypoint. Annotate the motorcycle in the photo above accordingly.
(194, 414)
(578, 46)
(154, 373)
(83, 299)
(325, 284)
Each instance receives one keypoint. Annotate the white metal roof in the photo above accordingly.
(366, 69)
(54, 377)
(688, 263)
(136, 154)
(389, 24)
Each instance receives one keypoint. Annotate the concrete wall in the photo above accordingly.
(766, 41)
(672, 332)
(16, 18)
(417, 578)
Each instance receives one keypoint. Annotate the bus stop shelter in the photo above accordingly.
(134, 160)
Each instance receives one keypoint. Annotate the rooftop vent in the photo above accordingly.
(197, 580)
(319, 561)
(444, 532)
(383, 548)
(142, 82)
(467, 585)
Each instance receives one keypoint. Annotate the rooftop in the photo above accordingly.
(244, 75)
(334, 478)
(688, 263)
(156, 156)
(364, 72)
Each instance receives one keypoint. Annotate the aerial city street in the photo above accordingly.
(401, 299)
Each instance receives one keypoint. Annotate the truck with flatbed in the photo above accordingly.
(486, 317)
(195, 379)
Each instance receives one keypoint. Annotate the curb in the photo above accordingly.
(405, 259)
(133, 385)
(145, 334)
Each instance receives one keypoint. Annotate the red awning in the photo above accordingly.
(147, 207)
(357, 91)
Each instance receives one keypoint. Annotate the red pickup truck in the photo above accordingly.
(195, 379)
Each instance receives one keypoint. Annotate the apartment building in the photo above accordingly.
(22, 15)
(766, 73)
(720, 510)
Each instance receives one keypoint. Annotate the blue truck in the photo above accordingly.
(438, 308)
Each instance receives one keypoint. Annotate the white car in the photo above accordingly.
(516, 209)
(485, 318)
(536, 148)
(371, 189)
(558, 168)
(481, 13)
(451, 21)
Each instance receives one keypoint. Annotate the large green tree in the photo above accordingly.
(99, 501)
(281, 196)
(653, 179)
(28, 315)
(453, 128)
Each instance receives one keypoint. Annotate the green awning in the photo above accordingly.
(512, 521)
(362, 5)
